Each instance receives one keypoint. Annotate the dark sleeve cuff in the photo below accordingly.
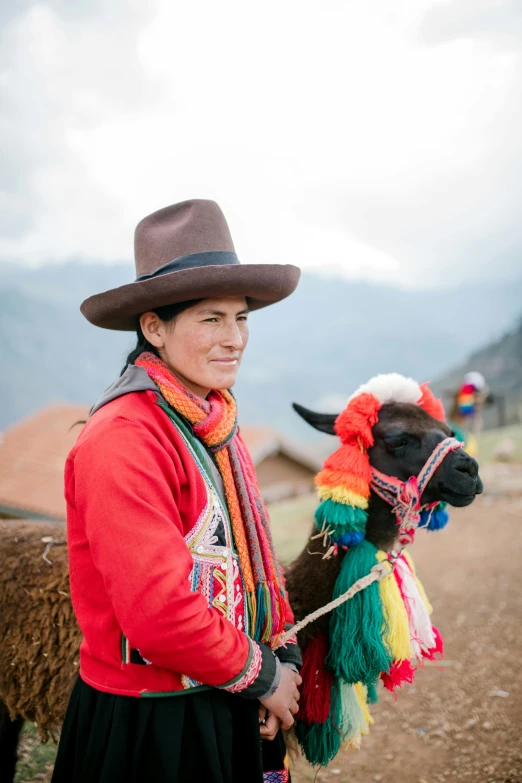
(264, 681)
(275, 682)
(290, 654)
(258, 674)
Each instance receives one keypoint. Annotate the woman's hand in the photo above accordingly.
(284, 703)
(269, 724)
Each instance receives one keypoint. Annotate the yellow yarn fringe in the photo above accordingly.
(343, 495)
(354, 743)
(362, 696)
(396, 626)
(422, 591)
(359, 712)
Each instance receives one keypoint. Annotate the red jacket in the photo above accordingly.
(159, 605)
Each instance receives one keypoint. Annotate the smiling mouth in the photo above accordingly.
(225, 362)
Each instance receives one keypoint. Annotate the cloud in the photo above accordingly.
(462, 220)
(498, 22)
(62, 65)
(379, 139)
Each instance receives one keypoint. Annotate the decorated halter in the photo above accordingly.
(405, 496)
(347, 478)
(383, 633)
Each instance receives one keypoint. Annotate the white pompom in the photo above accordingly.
(391, 388)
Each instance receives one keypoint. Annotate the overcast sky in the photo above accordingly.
(381, 139)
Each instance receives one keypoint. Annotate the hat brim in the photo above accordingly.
(261, 284)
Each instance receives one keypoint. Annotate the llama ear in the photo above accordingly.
(324, 422)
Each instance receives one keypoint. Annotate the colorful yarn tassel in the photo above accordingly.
(431, 404)
(358, 652)
(348, 719)
(416, 603)
(399, 673)
(346, 524)
(344, 495)
(396, 629)
(344, 482)
(314, 704)
(321, 742)
(355, 716)
(436, 652)
(436, 519)
(373, 697)
(408, 558)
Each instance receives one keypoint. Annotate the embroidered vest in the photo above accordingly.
(215, 573)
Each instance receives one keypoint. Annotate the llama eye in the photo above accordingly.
(396, 444)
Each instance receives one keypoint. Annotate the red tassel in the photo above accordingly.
(314, 704)
(357, 419)
(431, 404)
(437, 652)
(400, 672)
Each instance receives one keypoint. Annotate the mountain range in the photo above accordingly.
(315, 348)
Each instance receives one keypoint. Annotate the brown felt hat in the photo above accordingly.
(185, 252)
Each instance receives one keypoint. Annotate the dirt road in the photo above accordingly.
(463, 723)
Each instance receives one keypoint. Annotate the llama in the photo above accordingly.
(396, 434)
(397, 468)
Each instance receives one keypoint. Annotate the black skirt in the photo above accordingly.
(211, 736)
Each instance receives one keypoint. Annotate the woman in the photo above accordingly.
(174, 579)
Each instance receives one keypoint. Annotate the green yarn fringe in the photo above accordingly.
(340, 517)
(373, 697)
(357, 650)
(321, 742)
(351, 721)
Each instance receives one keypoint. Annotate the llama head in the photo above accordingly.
(392, 424)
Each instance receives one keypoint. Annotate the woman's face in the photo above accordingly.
(204, 344)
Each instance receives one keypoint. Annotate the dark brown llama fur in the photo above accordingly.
(310, 582)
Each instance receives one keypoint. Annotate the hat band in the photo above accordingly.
(212, 258)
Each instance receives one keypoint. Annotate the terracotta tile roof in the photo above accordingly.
(32, 458)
